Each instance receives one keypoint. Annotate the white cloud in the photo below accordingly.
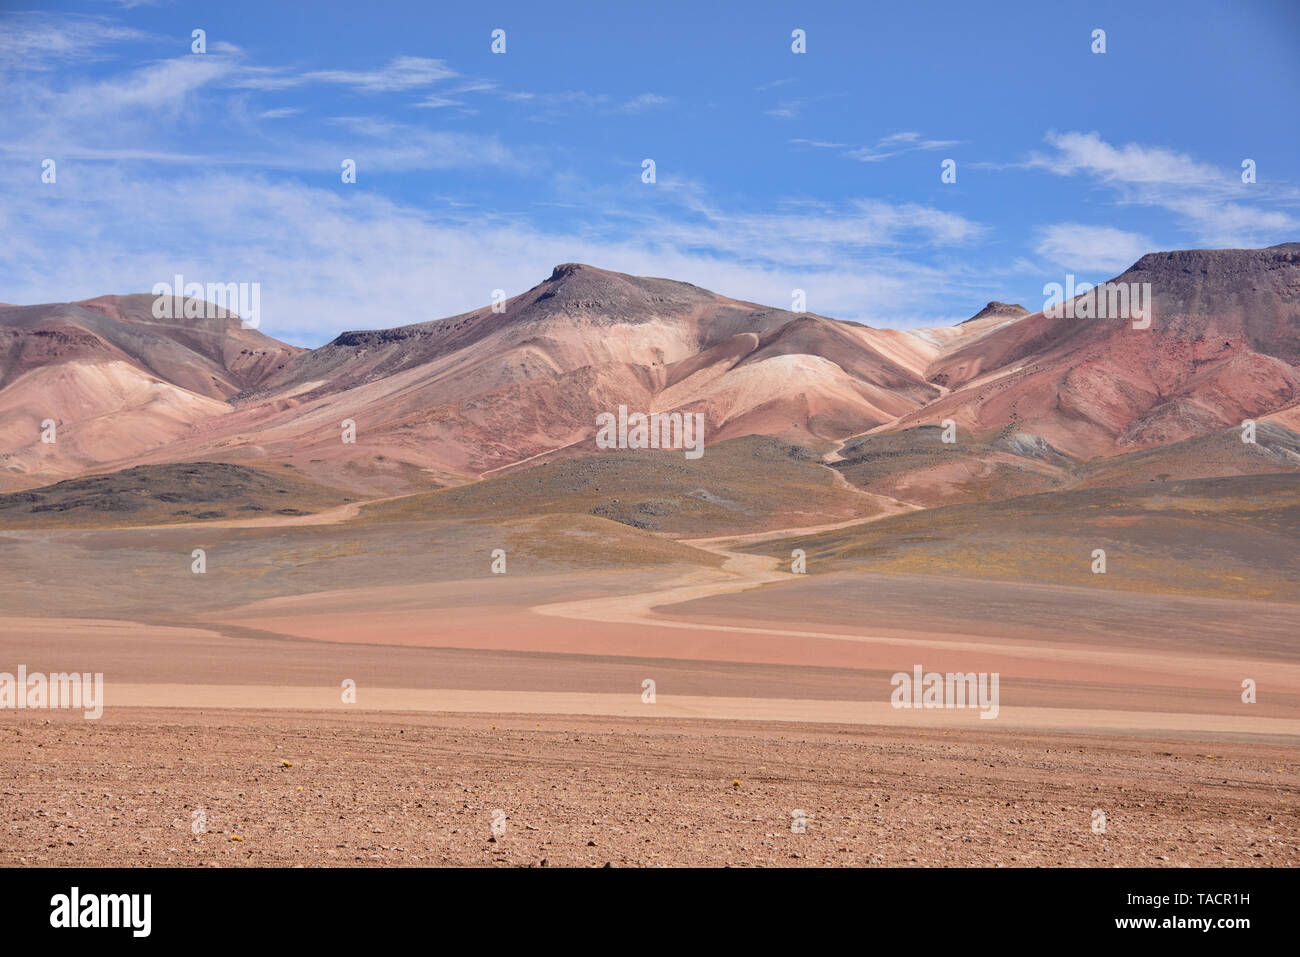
(1211, 203)
(398, 75)
(789, 111)
(401, 73)
(266, 78)
(39, 42)
(1091, 248)
(1089, 153)
(435, 102)
(1232, 225)
(645, 101)
(190, 176)
(165, 85)
(335, 259)
(562, 98)
(388, 145)
(138, 115)
(806, 233)
(896, 144)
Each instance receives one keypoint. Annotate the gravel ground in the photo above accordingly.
(372, 789)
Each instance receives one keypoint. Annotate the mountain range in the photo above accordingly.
(1037, 402)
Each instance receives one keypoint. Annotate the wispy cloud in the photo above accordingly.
(165, 85)
(560, 98)
(1089, 153)
(788, 110)
(331, 258)
(896, 144)
(808, 233)
(1212, 203)
(40, 42)
(388, 145)
(646, 101)
(1092, 248)
(436, 102)
(138, 113)
(401, 73)
(168, 191)
(554, 105)
(398, 75)
(133, 116)
(821, 144)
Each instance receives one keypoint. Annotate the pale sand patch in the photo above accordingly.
(876, 713)
(637, 612)
(757, 570)
(99, 628)
(627, 625)
(1071, 706)
(328, 516)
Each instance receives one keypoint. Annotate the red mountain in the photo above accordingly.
(448, 400)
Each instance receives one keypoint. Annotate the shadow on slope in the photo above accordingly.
(164, 494)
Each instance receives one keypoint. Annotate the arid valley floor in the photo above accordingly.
(522, 693)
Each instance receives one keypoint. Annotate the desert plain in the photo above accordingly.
(523, 693)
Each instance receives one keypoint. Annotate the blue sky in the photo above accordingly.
(774, 170)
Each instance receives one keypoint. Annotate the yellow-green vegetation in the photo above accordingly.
(1227, 537)
(917, 466)
(585, 541)
(1275, 450)
(746, 484)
